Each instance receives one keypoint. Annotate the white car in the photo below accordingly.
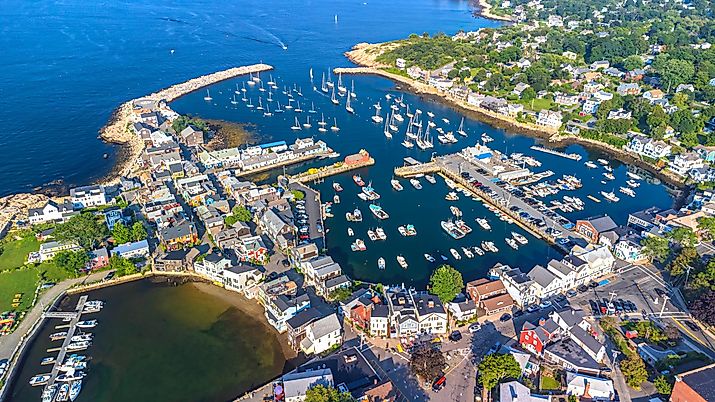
(545, 304)
(475, 327)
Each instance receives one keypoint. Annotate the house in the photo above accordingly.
(463, 311)
(600, 64)
(514, 391)
(517, 283)
(296, 384)
(696, 385)
(322, 335)
(590, 106)
(649, 147)
(412, 313)
(251, 249)
(380, 321)
(619, 114)
(549, 118)
(431, 314)
(653, 95)
(589, 387)
(683, 163)
(568, 355)
(400, 63)
(49, 250)
(415, 72)
(483, 288)
(319, 270)
(192, 136)
(88, 196)
(297, 326)
(685, 87)
(628, 88)
(497, 304)
(535, 337)
(707, 153)
(212, 265)
(566, 100)
(277, 227)
(519, 88)
(98, 258)
(51, 212)
(544, 283)
(176, 260)
(138, 249)
(281, 308)
(241, 278)
(178, 236)
(592, 228)
(112, 216)
(630, 250)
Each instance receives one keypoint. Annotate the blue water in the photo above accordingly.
(68, 64)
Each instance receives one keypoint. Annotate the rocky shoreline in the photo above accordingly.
(485, 11)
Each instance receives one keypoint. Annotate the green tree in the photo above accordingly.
(632, 62)
(682, 261)
(656, 248)
(297, 194)
(321, 393)
(633, 369)
(121, 233)
(121, 266)
(684, 236)
(675, 72)
(72, 261)
(657, 118)
(427, 362)
(496, 367)
(706, 278)
(138, 231)
(662, 385)
(84, 229)
(446, 282)
(242, 213)
(573, 398)
(528, 94)
(706, 226)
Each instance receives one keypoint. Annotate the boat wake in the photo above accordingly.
(276, 40)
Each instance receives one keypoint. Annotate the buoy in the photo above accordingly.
(105, 156)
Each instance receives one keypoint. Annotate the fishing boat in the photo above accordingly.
(396, 185)
(455, 254)
(63, 394)
(467, 252)
(519, 238)
(627, 191)
(40, 379)
(208, 97)
(73, 347)
(351, 233)
(48, 394)
(87, 324)
(75, 389)
(380, 233)
(358, 180)
(337, 187)
(512, 243)
(335, 127)
(416, 184)
(348, 107)
(452, 229)
(296, 125)
(402, 261)
(58, 335)
(381, 263)
(377, 118)
(370, 192)
(429, 258)
(461, 225)
(358, 245)
(610, 196)
(451, 196)
(460, 130)
(486, 138)
(483, 223)
(378, 211)
(355, 216)
(590, 165)
(430, 179)
(81, 338)
(371, 235)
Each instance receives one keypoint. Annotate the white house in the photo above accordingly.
(296, 384)
(400, 63)
(88, 196)
(139, 249)
(629, 249)
(49, 250)
(514, 391)
(51, 212)
(241, 278)
(590, 106)
(595, 388)
(619, 114)
(683, 163)
(649, 147)
(321, 335)
(549, 118)
(380, 321)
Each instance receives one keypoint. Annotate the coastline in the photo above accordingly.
(485, 11)
(365, 54)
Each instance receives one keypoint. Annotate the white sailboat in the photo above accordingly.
(335, 127)
(260, 104)
(249, 104)
(341, 88)
(233, 100)
(323, 87)
(278, 109)
(238, 90)
(267, 113)
(377, 118)
(312, 108)
(296, 126)
(348, 107)
(387, 132)
(208, 97)
(352, 89)
(322, 124)
(333, 98)
(297, 108)
(460, 130)
(307, 123)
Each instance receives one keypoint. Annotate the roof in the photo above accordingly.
(514, 391)
(602, 224)
(701, 380)
(175, 232)
(128, 247)
(570, 316)
(586, 339)
(541, 276)
(424, 307)
(569, 351)
(303, 318)
(380, 311)
(484, 286)
(337, 281)
(296, 384)
(494, 303)
(324, 326)
(597, 386)
(176, 255)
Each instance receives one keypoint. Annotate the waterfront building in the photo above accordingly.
(98, 259)
(549, 118)
(212, 266)
(320, 269)
(138, 249)
(400, 63)
(280, 309)
(176, 260)
(516, 282)
(592, 228)
(242, 278)
(463, 311)
(321, 335)
(51, 212)
(49, 250)
(412, 313)
(297, 326)
(178, 236)
(295, 385)
(683, 163)
(192, 136)
(273, 288)
(88, 196)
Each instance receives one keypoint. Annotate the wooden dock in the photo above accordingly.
(62, 350)
(327, 171)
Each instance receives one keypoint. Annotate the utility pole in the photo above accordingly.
(613, 294)
(662, 309)
(687, 274)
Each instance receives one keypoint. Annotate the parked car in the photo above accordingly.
(533, 308)
(518, 313)
(582, 288)
(439, 384)
(475, 327)
(545, 304)
(455, 336)
(571, 293)
(504, 318)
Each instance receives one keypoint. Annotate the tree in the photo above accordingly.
(446, 282)
(427, 362)
(121, 266)
(82, 229)
(121, 233)
(321, 393)
(242, 213)
(72, 261)
(684, 236)
(657, 118)
(675, 72)
(297, 194)
(685, 258)
(706, 226)
(138, 231)
(656, 248)
(671, 332)
(496, 367)
(634, 371)
(538, 77)
(573, 398)
(662, 385)
(632, 62)
(528, 94)
(649, 331)
(702, 308)
(706, 278)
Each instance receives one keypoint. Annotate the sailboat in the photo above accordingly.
(335, 127)
(307, 123)
(278, 109)
(323, 87)
(424, 142)
(460, 130)
(208, 97)
(377, 118)
(329, 82)
(297, 108)
(333, 98)
(250, 79)
(249, 104)
(260, 104)
(243, 89)
(387, 132)
(393, 127)
(352, 89)
(270, 96)
(238, 90)
(261, 87)
(408, 114)
(289, 106)
(296, 126)
(341, 88)
(322, 124)
(312, 108)
(233, 100)
(347, 105)
(267, 113)
(270, 82)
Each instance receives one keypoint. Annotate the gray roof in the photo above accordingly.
(701, 380)
(177, 231)
(380, 310)
(296, 384)
(284, 302)
(569, 351)
(570, 316)
(214, 257)
(423, 308)
(337, 281)
(541, 276)
(243, 268)
(325, 326)
(303, 318)
(586, 339)
(603, 223)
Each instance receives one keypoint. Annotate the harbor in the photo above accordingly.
(360, 160)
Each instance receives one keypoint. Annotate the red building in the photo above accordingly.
(98, 259)
(592, 228)
(695, 385)
(534, 339)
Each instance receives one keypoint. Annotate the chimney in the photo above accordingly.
(542, 321)
(430, 303)
(586, 388)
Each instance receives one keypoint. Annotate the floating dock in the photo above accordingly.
(574, 156)
(74, 317)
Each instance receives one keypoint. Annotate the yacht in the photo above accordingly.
(63, 394)
(483, 223)
(633, 176)
(486, 138)
(48, 394)
(610, 196)
(627, 191)
(396, 185)
(460, 130)
(416, 184)
(429, 258)
(609, 176)
(75, 389)
(603, 162)
(519, 238)
(590, 165)
(401, 260)
(381, 235)
(40, 379)
(87, 324)
(633, 183)
(455, 254)
(381, 263)
(378, 211)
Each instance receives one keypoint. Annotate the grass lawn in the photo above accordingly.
(16, 251)
(538, 105)
(549, 383)
(17, 281)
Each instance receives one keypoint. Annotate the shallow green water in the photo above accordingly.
(161, 343)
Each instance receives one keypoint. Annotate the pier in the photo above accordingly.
(575, 157)
(337, 168)
(62, 350)
(452, 166)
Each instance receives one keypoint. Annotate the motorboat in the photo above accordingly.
(455, 211)
(70, 376)
(591, 165)
(512, 243)
(455, 254)
(355, 216)
(371, 235)
(633, 183)
(467, 252)
(381, 263)
(81, 338)
(75, 346)
(429, 258)
(627, 191)
(521, 239)
(633, 176)
(610, 196)
(461, 225)
(48, 360)
(87, 324)
(48, 394)
(378, 211)
(478, 251)
(58, 335)
(40, 379)
(351, 233)
(416, 184)
(358, 245)
(358, 180)
(451, 196)
(63, 394)
(380, 233)
(402, 261)
(396, 185)
(75, 389)
(483, 223)
(430, 179)
(452, 230)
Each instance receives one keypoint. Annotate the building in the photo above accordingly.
(241, 278)
(321, 335)
(497, 304)
(483, 288)
(380, 321)
(589, 387)
(192, 136)
(297, 326)
(412, 313)
(281, 308)
(514, 391)
(178, 236)
(628, 88)
(592, 228)
(549, 118)
(463, 311)
(629, 249)
(683, 163)
(98, 258)
(49, 250)
(695, 385)
(51, 212)
(88, 196)
(296, 384)
(649, 147)
(139, 249)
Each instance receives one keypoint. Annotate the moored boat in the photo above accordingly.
(610, 196)
(402, 261)
(355, 216)
(63, 394)
(452, 230)
(87, 324)
(429, 258)
(381, 263)
(48, 394)
(416, 184)
(378, 211)
(358, 245)
(396, 185)
(455, 254)
(40, 379)
(75, 389)
(358, 180)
